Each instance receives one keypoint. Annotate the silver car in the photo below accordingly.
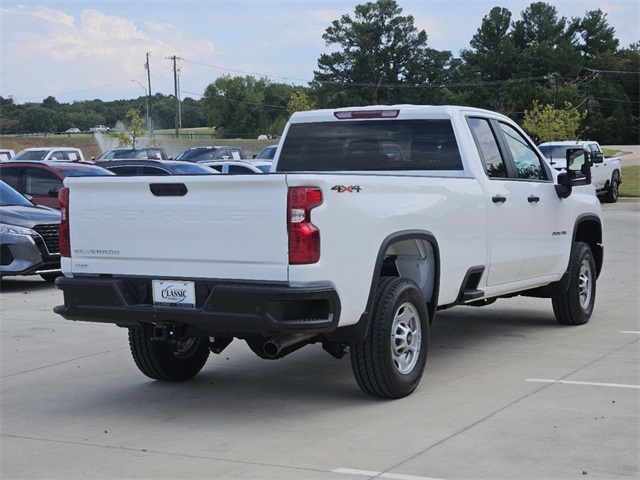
(28, 237)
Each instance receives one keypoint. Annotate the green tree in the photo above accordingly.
(134, 130)
(548, 124)
(36, 119)
(491, 58)
(379, 47)
(299, 102)
(245, 106)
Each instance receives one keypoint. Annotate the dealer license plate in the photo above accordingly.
(174, 293)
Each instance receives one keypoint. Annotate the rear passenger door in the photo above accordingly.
(529, 231)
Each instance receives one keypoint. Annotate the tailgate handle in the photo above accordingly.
(168, 189)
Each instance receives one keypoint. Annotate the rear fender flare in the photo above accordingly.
(426, 243)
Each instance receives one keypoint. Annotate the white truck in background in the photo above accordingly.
(606, 172)
(371, 220)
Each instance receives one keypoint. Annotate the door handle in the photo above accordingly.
(498, 199)
(533, 199)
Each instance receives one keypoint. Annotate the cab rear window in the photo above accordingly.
(370, 145)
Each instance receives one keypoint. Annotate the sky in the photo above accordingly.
(79, 50)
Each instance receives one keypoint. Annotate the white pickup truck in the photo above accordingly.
(606, 172)
(371, 220)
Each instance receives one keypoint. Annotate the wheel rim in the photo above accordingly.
(614, 189)
(185, 347)
(584, 284)
(406, 338)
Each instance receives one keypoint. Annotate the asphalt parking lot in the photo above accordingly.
(508, 393)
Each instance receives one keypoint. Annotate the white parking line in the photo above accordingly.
(367, 473)
(593, 384)
(630, 331)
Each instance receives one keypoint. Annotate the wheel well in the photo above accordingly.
(589, 231)
(413, 254)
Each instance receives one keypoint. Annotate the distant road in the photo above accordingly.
(630, 153)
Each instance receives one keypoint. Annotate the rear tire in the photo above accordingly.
(612, 193)
(168, 361)
(389, 362)
(575, 306)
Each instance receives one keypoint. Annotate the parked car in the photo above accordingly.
(267, 153)
(100, 129)
(145, 152)
(28, 237)
(232, 167)
(155, 167)
(6, 154)
(203, 154)
(66, 154)
(42, 180)
(72, 130)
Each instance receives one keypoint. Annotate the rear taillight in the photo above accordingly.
(65, 240)
(304, 236)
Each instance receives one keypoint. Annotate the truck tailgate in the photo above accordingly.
(179, 226)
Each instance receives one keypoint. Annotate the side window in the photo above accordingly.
(528, 164)
(488, 147)
(58, 155)
(40, 182)
(10, 176)
(73, 156)
(235, 154)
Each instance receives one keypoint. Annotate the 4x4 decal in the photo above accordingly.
(345, 188)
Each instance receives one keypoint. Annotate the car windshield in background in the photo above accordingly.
(31, 155)
(367, 145)
(194, 154)
(267, 153)
(557, 152)
(8, 196)
(118, 154)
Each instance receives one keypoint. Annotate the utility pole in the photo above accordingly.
(175, 89)
(150, 125)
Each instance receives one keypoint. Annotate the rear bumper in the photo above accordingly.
(222, 308)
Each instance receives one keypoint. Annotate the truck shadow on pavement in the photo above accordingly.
(27, 284)
(237, 385)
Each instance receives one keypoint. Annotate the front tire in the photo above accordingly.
(575, 306)
(169, 361)
(389, 362)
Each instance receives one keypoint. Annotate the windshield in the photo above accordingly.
(556, 152)
(8, 196)
(117, 154)
(267, 153)
(194, 154)
(31, 155)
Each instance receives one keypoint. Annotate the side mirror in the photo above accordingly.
(578, 172)
(578, 166)
(598, 157)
